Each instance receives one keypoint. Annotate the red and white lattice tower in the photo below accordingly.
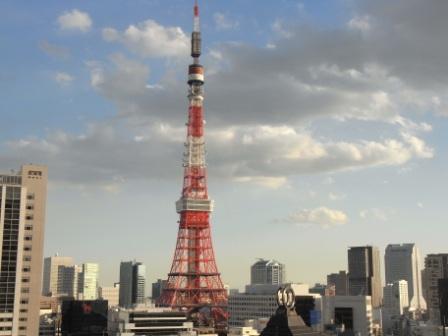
(194, 280)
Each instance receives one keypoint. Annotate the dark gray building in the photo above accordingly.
(157, 288)
(364, 273)
(339, 281)
(132, 283)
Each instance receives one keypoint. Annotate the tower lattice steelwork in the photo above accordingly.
(194, 281)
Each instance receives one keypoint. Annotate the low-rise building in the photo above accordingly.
(144, 320)
(354, 313)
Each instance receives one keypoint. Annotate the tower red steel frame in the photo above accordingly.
(194, 280)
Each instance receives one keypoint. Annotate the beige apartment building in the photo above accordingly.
(22, 217)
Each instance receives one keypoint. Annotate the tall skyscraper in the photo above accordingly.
(436, 267)
(265, 272)
(132, 283)
(139, 283)
(89, 281)
(339, 281)
(395, 301)
(58, 276)
(364, 273)
(402, 262)
(22, 218)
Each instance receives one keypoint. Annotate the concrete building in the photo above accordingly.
(157, 288)
(402, 262)
(147, 321)
(364, 273)
(258, 302)
(340, 282)
(58, 277)
(395, 303)
(22, 218)
(89, 281)
(354, 312)
(110, 294)
(255, 303)
(267, 272)
(436, 267)
(132, 283)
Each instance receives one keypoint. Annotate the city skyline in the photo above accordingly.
(353, 154)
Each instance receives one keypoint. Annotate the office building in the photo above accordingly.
(395, 303)
(354, 313)
(402, 262)
(89, 281)
(157, 288)
(258, 302)
(84, 317)
(436, 267)
(58, 277)
(267, 272)
(339, 281)
(364, 273)
(147, 321)
(22, 218)
(110, 294)
(132, 283)
(443, 299)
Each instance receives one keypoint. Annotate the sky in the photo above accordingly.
(326, 126)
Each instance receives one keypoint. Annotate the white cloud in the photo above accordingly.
(278, 27)
(75, 20)
(222, 22)
(420, 205)
(63, 78)
(150, 39)
(362, 23)
(321, 216)
(375, 214)
(336, 196)
(264, 181)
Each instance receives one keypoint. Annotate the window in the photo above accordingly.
(27, 248)
(29, 217)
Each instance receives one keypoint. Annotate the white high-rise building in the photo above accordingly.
(58, 276)
(89, 281)
(396, 297)
(23, 197)
(269, 272)
(402, 262)
(395, 301)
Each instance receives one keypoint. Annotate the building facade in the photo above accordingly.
(132, 283)
(436, 267)
(267, 272)
(364, 273)
(147, 321)
(353, 312)
(22, 218)
(110, 294)
(58, 277)
(395, 302)
(402, 262)
(89, 281)
(339, 281)
(157, 288)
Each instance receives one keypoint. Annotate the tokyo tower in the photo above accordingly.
(194, 282)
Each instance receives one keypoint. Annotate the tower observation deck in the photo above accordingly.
(194, 282)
